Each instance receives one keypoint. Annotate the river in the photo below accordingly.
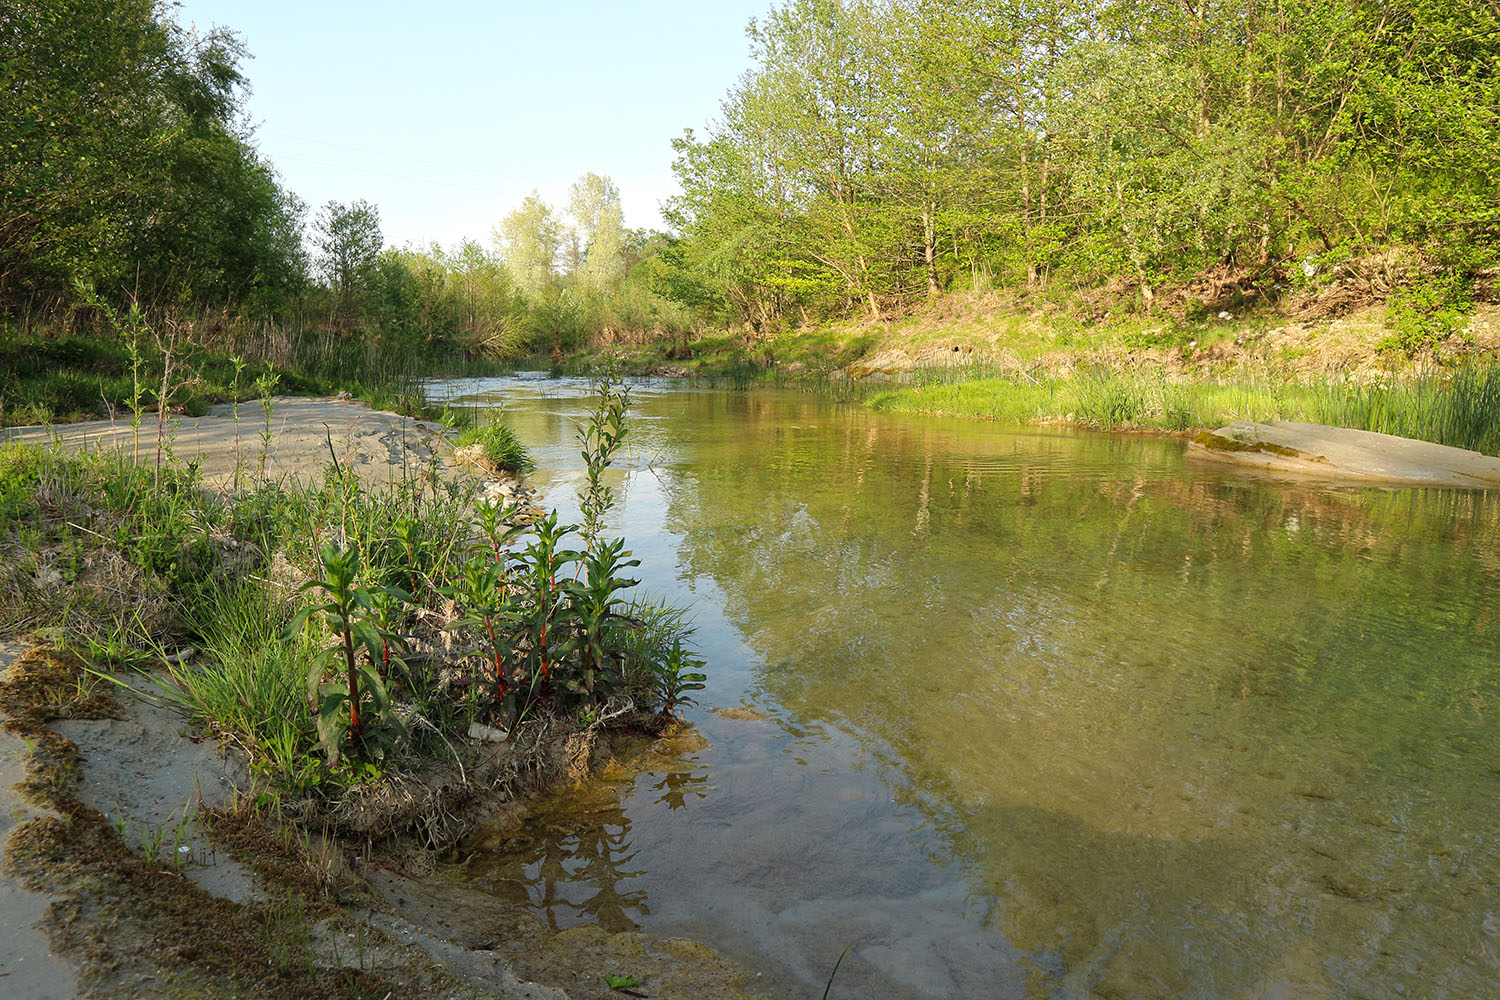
(1034, 712)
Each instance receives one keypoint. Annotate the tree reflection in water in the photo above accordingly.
(572, 861)
(676, 786)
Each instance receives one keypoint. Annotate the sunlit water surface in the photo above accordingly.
(1044, 713)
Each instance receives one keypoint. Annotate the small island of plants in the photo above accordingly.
(388, 661)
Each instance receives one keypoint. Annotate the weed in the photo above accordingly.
(674, 675)
(350, 614)
(601, 436)
(265, 391)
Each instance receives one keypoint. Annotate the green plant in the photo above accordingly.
(480, 591)
(592, 609)
(622, 983)
(828, 987)
(542, 614)
(239, 370)
(349, 613)
(265, 391)
(675, 674)
(1426, 313)
(601, 436)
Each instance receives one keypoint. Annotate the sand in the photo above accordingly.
(306, 436)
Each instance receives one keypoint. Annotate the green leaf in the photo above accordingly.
(619, 982)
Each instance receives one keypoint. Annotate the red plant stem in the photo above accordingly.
(499, 667)
(353, 684)
(546, 659)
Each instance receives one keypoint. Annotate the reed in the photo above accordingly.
(1458, 407)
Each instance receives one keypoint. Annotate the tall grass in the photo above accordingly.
(245, 688)
(1459, 408)
(72, 377)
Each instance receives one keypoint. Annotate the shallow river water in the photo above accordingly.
(1039, 713)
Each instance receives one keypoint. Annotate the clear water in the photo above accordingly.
(1043, 713)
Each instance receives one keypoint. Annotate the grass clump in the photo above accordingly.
(502, 449)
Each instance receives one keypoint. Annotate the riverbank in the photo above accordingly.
(183, 581)
(1361, 370)
(74, 376)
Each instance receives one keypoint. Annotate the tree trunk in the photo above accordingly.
(929, 251)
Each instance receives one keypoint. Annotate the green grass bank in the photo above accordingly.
(1368, 369)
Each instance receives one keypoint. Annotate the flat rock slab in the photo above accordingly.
(1340, 454)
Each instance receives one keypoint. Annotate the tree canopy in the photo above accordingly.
(124, 163)
(883, 150)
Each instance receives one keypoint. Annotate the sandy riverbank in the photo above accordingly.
(305, 435)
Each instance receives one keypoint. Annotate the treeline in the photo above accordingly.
(882, 151)
(551, 280)
(878, 153)
(129, 178)
(124, 164)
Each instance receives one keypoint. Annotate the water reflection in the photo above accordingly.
(1061, 715)
(570, 863)
(676, 786)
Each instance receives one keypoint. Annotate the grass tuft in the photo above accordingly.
(501, 446)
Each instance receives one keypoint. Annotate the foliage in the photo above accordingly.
(884, 150)
(675, 674)
(348, 241)
(125, 164)
(601, 437)
(322, 687)
(351, 614)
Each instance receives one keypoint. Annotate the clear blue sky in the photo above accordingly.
(446, 114)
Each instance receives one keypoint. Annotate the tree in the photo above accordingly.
(124, 162)
(600, 224)
(348, 242)
(530, 239)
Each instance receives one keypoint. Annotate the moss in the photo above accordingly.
(1217, 442)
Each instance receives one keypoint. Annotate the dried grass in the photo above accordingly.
(442, 800)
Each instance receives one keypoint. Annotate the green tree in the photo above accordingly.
(124, 162)
(600, 224)
(348, 242)
(530, 240)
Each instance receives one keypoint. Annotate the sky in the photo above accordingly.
(446, 114)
